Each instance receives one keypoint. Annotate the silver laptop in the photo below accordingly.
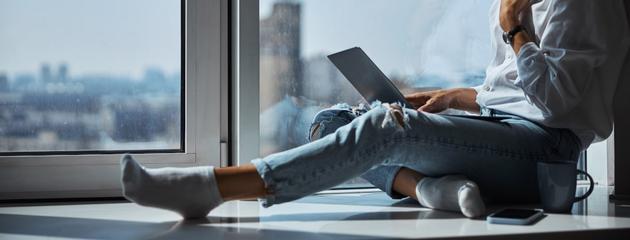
(366, 77)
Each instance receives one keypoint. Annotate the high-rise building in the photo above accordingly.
(4, 82)
(45, 73)
(280, 66)
(62, 74)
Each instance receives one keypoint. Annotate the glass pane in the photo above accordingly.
(81, 75)
(418, 44)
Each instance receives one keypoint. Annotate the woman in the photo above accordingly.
(547, 95)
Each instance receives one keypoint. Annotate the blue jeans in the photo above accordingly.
(498, 151)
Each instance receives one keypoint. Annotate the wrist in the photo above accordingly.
(519, 40)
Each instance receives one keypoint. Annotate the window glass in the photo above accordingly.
(418, 44)
(81, 75)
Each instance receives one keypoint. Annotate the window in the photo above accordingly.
(82, 82)
(419, 45)
(90, 75)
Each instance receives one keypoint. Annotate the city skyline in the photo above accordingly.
(52, 110)
(64, 69)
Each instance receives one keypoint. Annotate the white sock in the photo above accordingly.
(452, 193)
(192, 192)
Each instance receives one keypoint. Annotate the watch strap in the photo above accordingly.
(508, 37)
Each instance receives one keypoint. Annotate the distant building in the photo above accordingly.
(4, 82)
(45, 73)
(280, 67)
(62, 74)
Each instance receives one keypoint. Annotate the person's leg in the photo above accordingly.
(240, 182)
(405, 182)
(492, 153)
(330, 119)
(327, 121)
(192, 192)
(499, 155)
(175, 188)
(453, 193)
(319, 161)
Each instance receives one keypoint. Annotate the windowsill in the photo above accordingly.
(349, 215)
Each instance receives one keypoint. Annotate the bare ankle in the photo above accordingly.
(240, 183)
(405, 182)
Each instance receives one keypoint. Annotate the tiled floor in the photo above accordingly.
(337, 216)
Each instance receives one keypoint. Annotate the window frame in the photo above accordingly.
(92, 174)
(245, 68)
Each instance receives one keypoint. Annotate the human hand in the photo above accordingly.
(511, 10)
(431, 101)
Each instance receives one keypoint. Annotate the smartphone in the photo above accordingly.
(515, 216)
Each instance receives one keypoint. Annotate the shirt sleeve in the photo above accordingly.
(478, 89)
(555, 76)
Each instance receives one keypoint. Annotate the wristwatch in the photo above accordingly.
(508, 37)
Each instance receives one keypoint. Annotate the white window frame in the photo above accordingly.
(98, 175)
(246, 73)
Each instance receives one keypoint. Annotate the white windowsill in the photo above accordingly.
(349, 215)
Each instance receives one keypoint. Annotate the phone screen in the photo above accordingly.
(515, 213)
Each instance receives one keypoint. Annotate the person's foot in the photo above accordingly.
(452, 193)
(192, 192)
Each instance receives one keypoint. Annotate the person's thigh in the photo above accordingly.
(500, 155)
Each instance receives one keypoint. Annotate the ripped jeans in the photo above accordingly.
(497, 150)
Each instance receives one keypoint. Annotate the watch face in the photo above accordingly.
(506, 38)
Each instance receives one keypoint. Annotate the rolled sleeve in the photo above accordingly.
(478, 89)
(555, 76)
(478, 98)
(529, 63)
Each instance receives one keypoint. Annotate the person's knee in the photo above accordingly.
(396, 116)
(380, 120)
(328, 121)
(389, 116)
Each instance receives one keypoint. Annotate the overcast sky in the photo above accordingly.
(120, 37)
(441, 37)
(124, 37)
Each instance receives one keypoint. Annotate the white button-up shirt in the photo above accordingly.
(568, 76)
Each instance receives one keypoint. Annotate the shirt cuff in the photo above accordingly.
(530, 62)
(478, 89)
